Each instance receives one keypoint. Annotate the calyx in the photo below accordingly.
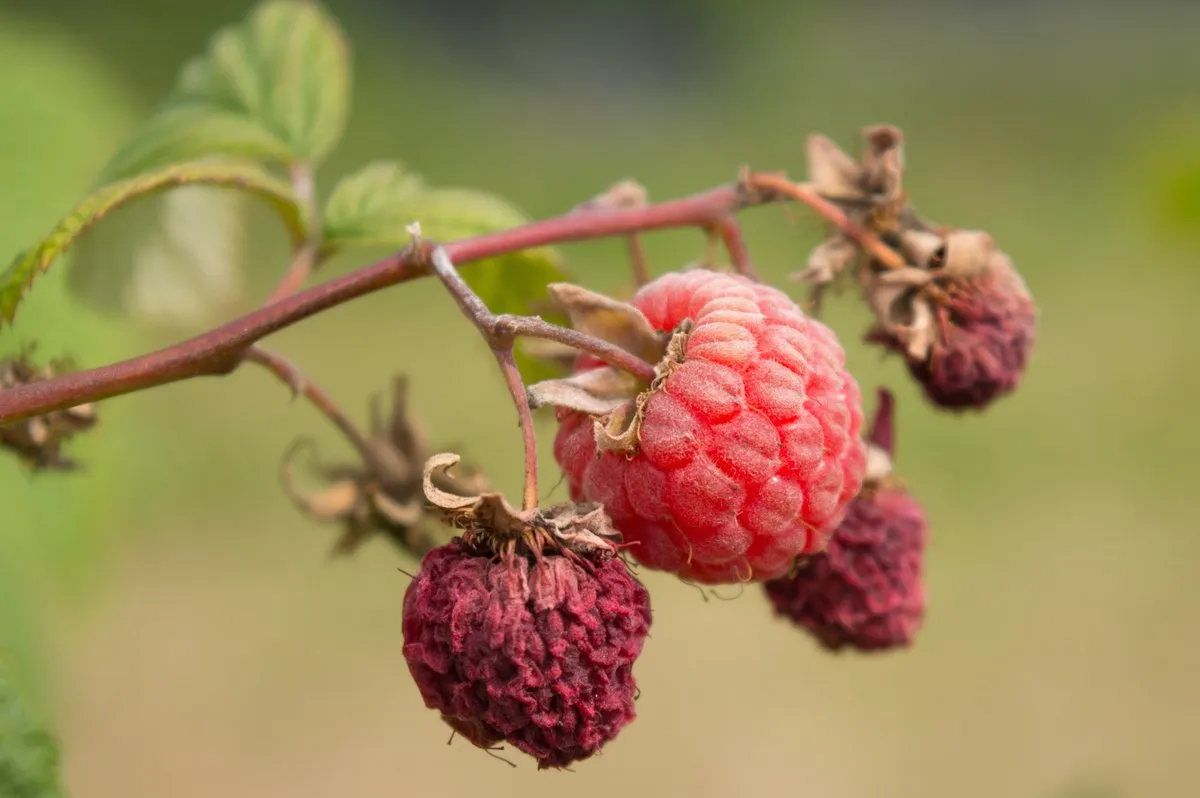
(614, 399)
(870, 191)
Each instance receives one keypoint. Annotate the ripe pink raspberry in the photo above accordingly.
(748, 452)
(985, 333)
(866, 590)
(527, 632)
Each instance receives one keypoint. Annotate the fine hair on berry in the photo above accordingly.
(749, 448)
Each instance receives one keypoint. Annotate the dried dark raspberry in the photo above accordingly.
(866, 591)
(525, 629)
(984, 328)
(953, 305)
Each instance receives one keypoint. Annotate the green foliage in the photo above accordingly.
(275, 87)
(20, 274)
(29, 756)
(375, 205)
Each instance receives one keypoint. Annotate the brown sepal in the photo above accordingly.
(489, 521)
(38, 442)
(383, 493)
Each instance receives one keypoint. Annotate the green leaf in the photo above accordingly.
(374, 206)
(16, 280)
(29, 754)
(274, 87)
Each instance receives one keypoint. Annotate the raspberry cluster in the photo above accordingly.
(735, 453)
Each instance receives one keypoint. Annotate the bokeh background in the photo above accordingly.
(189, 636)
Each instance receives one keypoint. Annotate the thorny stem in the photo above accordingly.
(779, 185)
(502, 348)
(220, 350)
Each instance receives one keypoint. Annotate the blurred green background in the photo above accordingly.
(190, 637)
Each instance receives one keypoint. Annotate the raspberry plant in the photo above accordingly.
(708, 426)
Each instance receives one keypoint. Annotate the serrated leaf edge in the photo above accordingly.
(18, 278)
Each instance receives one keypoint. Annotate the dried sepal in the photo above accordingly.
(615, 399)
(620, 431)
(488, 521)
(596, 392)
(608, 319)
(38, 442)
(620, 195)
(384, 491)
(882, 174)
(832, 172)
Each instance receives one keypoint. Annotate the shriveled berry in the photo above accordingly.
(748, 450)
(528, 636)
(984, 331)
(866, 591)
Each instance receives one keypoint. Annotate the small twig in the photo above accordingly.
(302, 386)
(306, 255)
(730, 233)
(502, 348)
(533, 327)
(779, 185)
(637, 259)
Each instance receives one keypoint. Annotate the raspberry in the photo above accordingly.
(984, 333)
(529, 639)
(866, 590)
(748, 450)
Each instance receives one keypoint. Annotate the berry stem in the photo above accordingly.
(730, 233)
(779, 186)
(494, 330)
(637, 259)
(291, 376)
(533, 327)
(306, 256)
